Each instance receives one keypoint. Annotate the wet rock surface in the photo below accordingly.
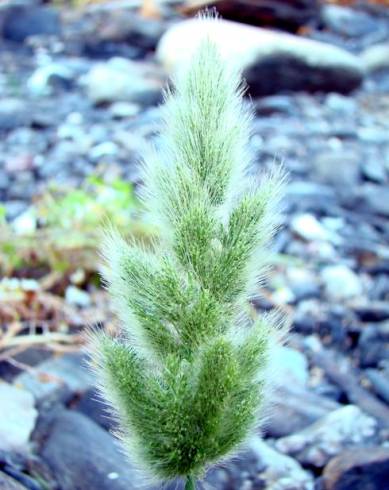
(74, 104)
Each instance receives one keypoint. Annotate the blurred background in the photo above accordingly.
(80, 88)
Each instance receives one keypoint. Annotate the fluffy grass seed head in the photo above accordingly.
(187, 376)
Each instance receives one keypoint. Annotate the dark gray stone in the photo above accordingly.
(21, 22)
(376, 311)
(124, 26)
(83, 456)
(4, 180)
(337, 168)
(286, 72)
(287, 14)
(95, 408)
(377, 198)
(374, 344)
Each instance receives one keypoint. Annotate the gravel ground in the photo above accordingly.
(81, 98)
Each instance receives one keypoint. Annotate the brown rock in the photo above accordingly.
(358, 469)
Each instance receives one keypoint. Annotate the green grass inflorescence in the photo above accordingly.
(187, 377)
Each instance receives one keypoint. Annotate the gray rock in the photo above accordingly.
(94, 407)
(377, 198)
(4, 180)
(341, 104)
(373, 169)
(303, 283)
(344, 428)
(56, 377)
(340, 282)
(298, 190)
(358, 469)
(380, 382)
(292, 408)
(259, 467)
(105, 149)
(125, 26)
(13, 114)
(271, 61)
(274, 104)
(18, 418)
(120, 79)
(373, 134)
(347, 21)
(83, 456)
(124, 110)
(339, 168)
(374, 343)
(374, 311)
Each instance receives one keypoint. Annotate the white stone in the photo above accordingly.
(124, 109)
(25, 223)
(290, 365)
(17, 419)
(376, 57)
(281, 472)
(76, 296)
(283, 295)
(306, 226)
(340, 282)
(247, 46)
(120, 79)
(39, 82)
